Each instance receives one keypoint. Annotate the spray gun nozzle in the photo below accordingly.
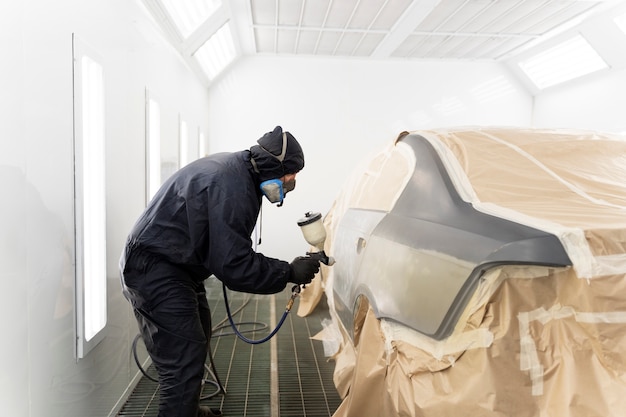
(322, 257)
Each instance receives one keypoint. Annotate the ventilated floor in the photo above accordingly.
(288, 376)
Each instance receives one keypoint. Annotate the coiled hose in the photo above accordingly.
(295, 291)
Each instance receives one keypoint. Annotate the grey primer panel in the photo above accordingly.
(444, 223)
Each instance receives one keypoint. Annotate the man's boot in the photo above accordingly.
(204, 411)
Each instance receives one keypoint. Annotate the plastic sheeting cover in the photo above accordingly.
(532, 341)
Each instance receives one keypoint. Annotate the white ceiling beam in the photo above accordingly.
(243, 32)
(162, 17)
(410, 19)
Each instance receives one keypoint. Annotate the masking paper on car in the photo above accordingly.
(532, 340)
(551, 353)
(579, 193)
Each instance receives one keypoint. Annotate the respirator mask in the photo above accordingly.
(275, 190)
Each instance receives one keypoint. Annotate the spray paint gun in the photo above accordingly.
(315, 234)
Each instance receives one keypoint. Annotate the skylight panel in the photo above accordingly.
(217, 52)
(188, 15)
(566, 61)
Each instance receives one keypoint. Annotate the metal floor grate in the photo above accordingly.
(287, 376)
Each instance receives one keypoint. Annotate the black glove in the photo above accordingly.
(303, 269)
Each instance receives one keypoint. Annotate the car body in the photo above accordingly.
(419, 262)
(472, 239)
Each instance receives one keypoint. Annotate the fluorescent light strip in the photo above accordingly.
(154, 147)
(566, 61)
(202, 150)
(93, 196)
(188, 15)
(184, 144)
(217, 52)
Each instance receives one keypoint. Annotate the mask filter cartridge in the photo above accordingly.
(273, 190)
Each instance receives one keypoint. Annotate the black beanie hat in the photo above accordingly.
(268, 152)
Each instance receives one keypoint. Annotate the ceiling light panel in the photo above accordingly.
(190, 14)
(563, 62)
(217, 52)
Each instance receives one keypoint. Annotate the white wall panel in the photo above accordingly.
(13, 214)
(596, 102)
(342, 110)
(41, 376)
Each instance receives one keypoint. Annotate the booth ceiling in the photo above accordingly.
(377, 29)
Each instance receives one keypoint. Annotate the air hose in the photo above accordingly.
(295, 291)
(216, 381)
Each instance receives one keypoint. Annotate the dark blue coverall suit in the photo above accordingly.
(199, 224)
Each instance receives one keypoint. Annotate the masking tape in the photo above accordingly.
(529, 358)
(474, 339)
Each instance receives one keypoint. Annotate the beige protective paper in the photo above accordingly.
(533, 341)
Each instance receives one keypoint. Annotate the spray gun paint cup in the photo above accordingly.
(315, 234)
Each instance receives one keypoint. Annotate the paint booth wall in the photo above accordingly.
(40, 375)
(343, 110)
(596, 102)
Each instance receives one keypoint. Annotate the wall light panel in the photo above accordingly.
(183, 138)
(202, 149)
(153, 146)
(89, 198)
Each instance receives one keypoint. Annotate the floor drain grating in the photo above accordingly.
(304, 378)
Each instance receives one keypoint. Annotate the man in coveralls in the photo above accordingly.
(199, 224)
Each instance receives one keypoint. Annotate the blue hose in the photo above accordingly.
(295, 291)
